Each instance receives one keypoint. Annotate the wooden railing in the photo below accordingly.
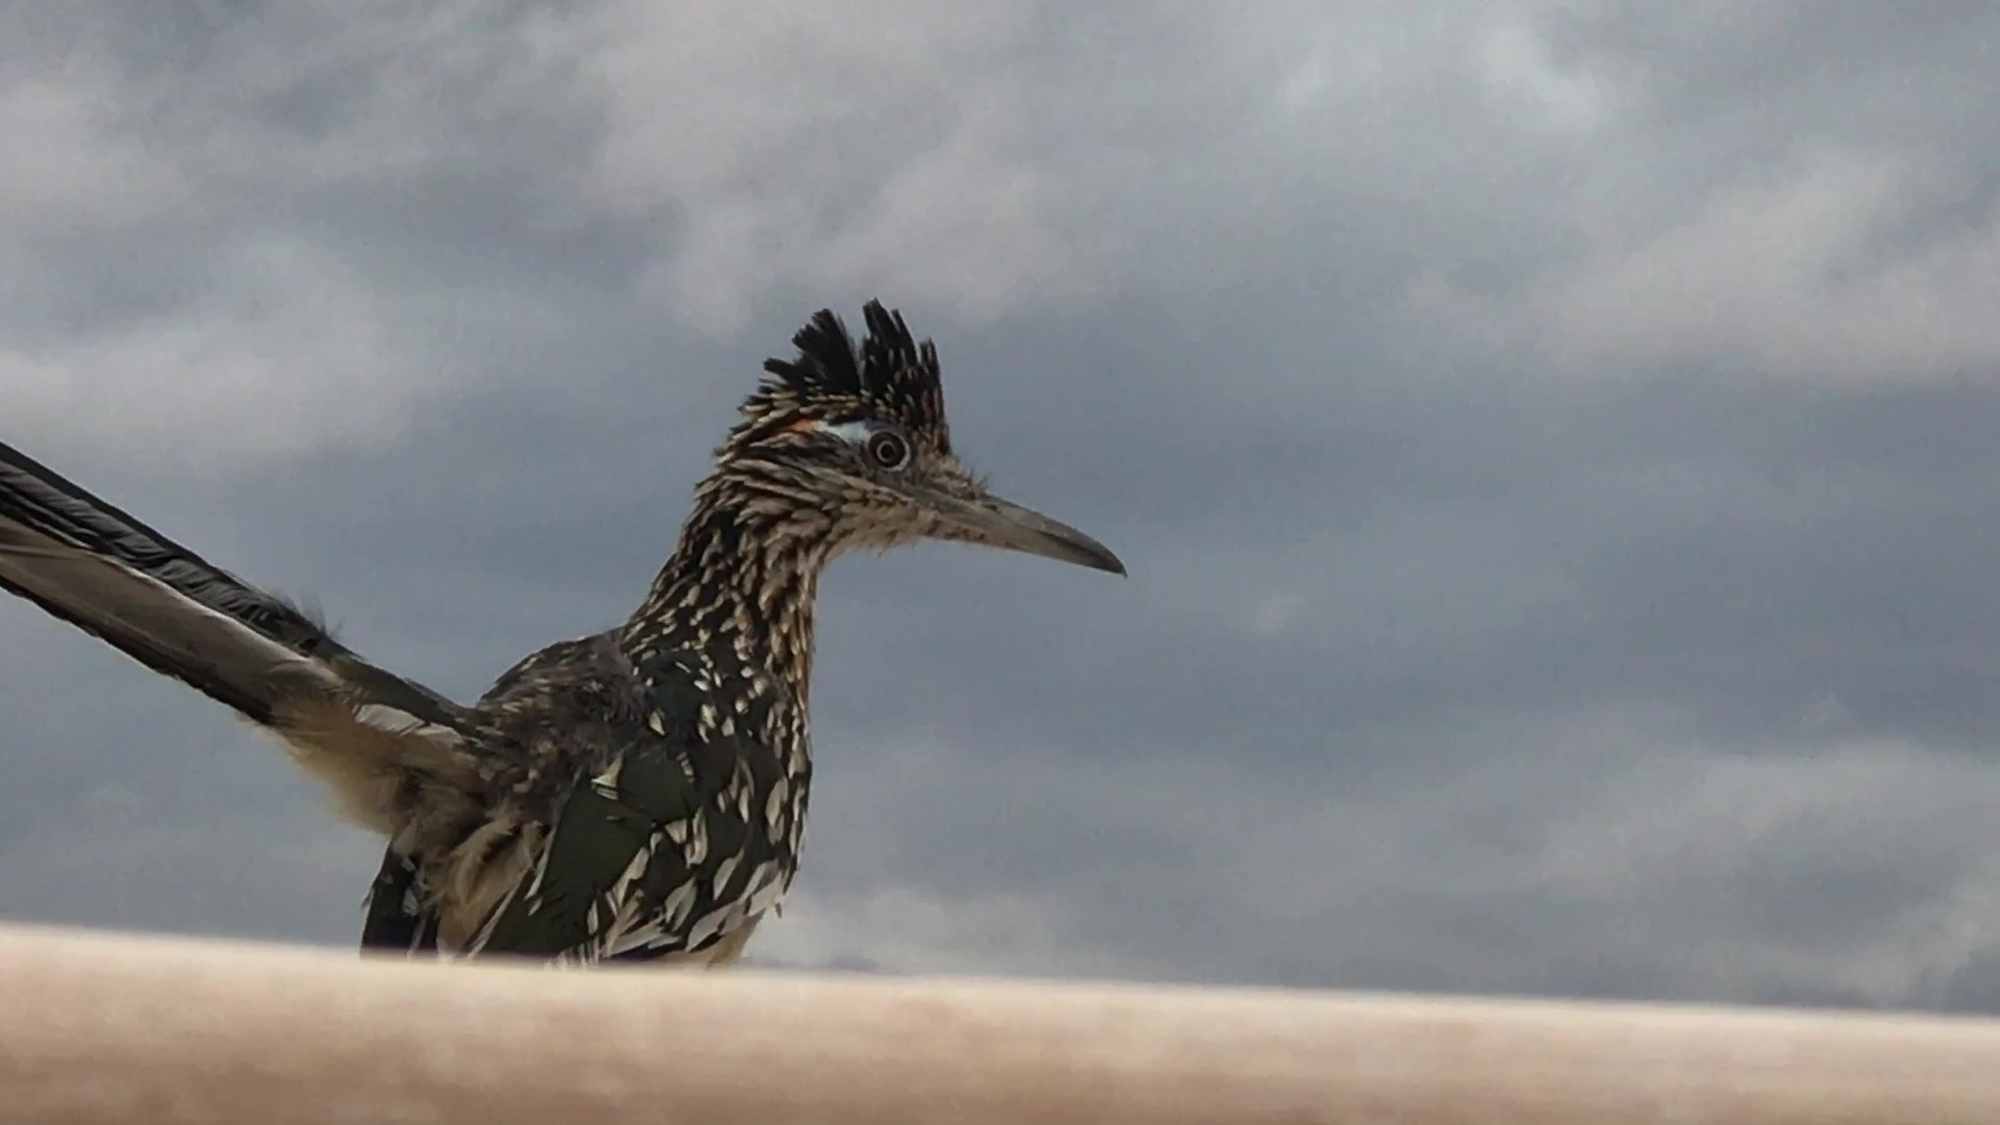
(109, 1028)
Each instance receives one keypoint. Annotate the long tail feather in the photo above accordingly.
(363, 729)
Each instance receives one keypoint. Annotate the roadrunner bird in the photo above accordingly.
(637, 793)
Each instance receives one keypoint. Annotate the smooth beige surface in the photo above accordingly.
(104, 1028)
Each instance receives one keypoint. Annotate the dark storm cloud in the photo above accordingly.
(1559, 544)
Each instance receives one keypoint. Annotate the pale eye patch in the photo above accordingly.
(854, 433)
(879, 445)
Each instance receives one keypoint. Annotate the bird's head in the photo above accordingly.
(846, 445)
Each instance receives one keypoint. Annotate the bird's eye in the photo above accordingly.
(888, 449)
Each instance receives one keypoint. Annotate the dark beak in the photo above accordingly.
(997, 523)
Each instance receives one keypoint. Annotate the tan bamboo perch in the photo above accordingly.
(106, 1028)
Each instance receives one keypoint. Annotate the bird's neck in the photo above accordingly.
(739, 586)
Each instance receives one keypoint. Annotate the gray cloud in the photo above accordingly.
(1552, 446)
(1794, 190)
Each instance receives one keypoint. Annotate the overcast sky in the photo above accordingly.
(1555, 447)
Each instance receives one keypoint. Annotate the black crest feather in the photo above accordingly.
(889, 371)
(827, 362)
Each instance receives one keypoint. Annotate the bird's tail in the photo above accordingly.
(376, 737)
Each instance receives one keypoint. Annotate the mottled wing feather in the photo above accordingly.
(398, 919)
(665, 850)
(579, 885)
